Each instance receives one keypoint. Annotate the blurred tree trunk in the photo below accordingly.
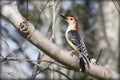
(44, 7)
(107, 34)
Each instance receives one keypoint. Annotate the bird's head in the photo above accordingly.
(72, 21)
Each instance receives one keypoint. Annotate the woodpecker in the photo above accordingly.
(75, 41)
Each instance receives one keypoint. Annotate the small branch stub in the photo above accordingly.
(23, 28)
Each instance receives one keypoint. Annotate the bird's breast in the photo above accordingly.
(69, 42)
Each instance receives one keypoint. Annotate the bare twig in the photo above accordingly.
(12, 74)
(42, 70)
(118, 10)
(41, 10)
(27, 10)
(49, 32)
(60, 72)
(98, 56)
(53, 37)
(28, 60)
(34, 73)
(55, 70)
(2, 56)
(11, 53)
(48, 35)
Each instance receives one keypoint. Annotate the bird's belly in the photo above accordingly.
(71, 44)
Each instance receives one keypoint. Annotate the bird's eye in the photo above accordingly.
(71, 19)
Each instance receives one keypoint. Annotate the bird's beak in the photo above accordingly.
(63, 17)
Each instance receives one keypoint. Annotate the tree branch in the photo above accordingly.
(11, 13)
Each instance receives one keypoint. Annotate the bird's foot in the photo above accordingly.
(73, 52)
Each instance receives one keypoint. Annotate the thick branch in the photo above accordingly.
(11, 13)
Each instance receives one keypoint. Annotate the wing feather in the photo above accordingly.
(75, 38)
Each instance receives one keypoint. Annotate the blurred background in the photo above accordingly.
(99, 25)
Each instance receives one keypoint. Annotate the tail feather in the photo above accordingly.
(84, 60)
(82, 65)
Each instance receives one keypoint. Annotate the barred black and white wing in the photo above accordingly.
(79, 45)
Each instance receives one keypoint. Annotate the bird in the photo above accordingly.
(75, 41)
